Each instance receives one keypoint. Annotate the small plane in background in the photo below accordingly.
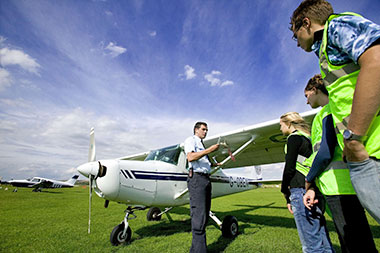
(39, 183)
(157, 179)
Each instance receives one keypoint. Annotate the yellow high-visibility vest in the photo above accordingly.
(340, 82)
(300, 159)
(335, 179)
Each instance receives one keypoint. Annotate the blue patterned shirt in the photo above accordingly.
(347, 38)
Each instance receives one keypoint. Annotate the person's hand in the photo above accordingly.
(290, 208)
(216, 164)
(354, 151)
(309, 199)
(213, 147)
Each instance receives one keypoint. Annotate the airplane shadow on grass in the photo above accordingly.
(170, 227)
(53, 192)
(166, 228)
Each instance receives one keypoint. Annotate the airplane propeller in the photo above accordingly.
(92, 170)
(91, 158)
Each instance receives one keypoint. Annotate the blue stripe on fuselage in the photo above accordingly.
(167, 176)
(125, 171)
(129, 175)
(149, 175)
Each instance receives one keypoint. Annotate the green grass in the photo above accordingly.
(56, 221)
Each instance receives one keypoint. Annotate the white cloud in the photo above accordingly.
(115, 50)
(59, 142)
(14, 102)
(153, 33)
(18, 57)
(226, 83)
(214, 80)
(5, 79)
(189, 72)
(108, 13)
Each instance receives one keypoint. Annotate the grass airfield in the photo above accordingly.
(56, 220)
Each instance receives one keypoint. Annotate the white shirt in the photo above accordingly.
(194, 144)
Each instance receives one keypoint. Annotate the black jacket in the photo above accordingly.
(291, 178)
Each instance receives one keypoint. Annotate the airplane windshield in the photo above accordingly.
(168, 155)
(35, 180)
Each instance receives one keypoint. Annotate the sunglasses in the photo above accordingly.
(297, 26)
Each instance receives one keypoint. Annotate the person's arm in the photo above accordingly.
(364, 50)
(193, 156)
(293, 144)
(366, 102)
(325, 152)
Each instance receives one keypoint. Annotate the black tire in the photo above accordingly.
(230, 227)
(116, 237)
(153, 214)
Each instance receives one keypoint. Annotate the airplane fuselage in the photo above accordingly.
(157, 183)
(40, 182)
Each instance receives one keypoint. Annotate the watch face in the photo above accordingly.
(346, 134)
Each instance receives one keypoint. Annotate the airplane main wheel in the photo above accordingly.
(153, 214)
(117, 237)
(230, 227)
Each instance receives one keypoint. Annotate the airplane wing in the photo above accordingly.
(43, 184)
(136, 157)
(260, 144)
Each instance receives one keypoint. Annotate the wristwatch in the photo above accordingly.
(349, 135)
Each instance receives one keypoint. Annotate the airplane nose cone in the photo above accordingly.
(91, 168)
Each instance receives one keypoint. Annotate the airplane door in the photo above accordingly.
(138, 182)
(173, 180)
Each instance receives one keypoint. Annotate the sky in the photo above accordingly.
(142, 73)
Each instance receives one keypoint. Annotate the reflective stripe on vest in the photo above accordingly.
(340, 82)
(316, 146)
(300, 158)
(335, 179)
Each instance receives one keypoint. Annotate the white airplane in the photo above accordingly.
(157, 179)
(39, 183)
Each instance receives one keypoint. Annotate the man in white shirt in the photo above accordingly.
(199, 185)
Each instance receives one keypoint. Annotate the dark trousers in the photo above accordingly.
(351, 223)
(200, 202)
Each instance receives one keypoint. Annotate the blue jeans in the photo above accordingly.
(365, 178)
(311, 224)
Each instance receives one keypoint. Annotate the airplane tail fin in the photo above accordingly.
(73, 179)
(250, 172)
(259, 172)
(253, 172)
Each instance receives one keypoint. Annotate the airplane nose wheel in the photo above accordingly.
(122, 233)
(118, 237)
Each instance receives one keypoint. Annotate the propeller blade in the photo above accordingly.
(92, 151)
(89, 203)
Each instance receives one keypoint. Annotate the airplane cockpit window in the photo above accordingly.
(168, 154)
(35, 180)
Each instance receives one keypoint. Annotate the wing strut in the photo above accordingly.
(234, 154)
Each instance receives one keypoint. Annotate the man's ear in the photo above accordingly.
(306, 23)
